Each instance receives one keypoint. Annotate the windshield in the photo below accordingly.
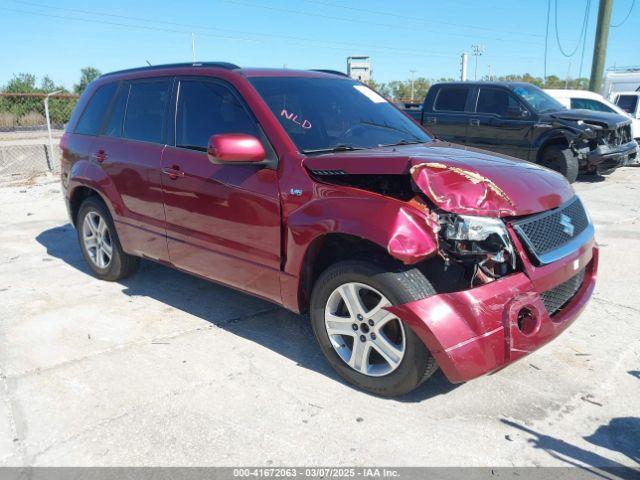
(541, 101)
(325, 114)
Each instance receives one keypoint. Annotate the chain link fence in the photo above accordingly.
(31, 125)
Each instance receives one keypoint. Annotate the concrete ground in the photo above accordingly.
(168, 369)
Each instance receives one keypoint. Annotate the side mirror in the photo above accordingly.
(235, 148)
(518, 113)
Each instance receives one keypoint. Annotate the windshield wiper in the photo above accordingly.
(401, 142)
(343, 147)
(388, 127)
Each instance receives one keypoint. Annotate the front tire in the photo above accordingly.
(368, 346)
(562, 160)
(100, 245)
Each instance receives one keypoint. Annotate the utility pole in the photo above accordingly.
(600, 45)
(489, 76)
(463, 67)
(413, 72)
(477, 51)
(566, 80)
(193, 47)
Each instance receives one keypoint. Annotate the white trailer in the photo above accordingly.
(616, 82)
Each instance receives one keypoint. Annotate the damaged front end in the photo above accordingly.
(493, 304)
(599, 146)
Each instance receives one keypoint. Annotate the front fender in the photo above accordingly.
(406, 233)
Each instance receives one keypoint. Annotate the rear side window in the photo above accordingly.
(144, 117)
(115, 118)
(93, 115)
(589, 104)
(496, 101)
(451, 99)
(628, 103)
(208, 108)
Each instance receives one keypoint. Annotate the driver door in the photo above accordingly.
(500, 124)
(222, 220)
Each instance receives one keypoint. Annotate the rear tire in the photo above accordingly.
(562, 160)
(99, 243)
(393, 360)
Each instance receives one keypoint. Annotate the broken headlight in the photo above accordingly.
(479, 241)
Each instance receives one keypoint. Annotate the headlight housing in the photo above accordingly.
(474, 236)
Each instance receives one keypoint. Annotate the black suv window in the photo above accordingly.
(496, 101)
(91, 119)
(451, 99)
(144, 116)
(207, 108)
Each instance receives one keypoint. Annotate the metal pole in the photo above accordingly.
(463, 67)
(413, 72)
(600, 45)
(566, 80)
(51, 156)
(193, 47)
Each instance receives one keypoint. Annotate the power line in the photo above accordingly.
(546, 40)
(192, 28)
(351, 20)
(627, 17)
(582, 30)
(204, 27)
(417, 19)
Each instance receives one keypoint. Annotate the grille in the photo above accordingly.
(558, 297)
(546, 232)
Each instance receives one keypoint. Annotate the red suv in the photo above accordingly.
(310, 190)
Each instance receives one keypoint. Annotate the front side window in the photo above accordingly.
(144, 117)
(498, 102)
(322, 114)
(451, 99)
(589, 104)
(628, 103)
(209, 108)
(93, 115)
(540, 101)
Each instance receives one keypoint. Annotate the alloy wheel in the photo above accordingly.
(365, 336)
(97, 239)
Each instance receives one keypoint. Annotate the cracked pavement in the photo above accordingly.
(167, 369)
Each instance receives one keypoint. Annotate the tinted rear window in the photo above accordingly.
(452, 99)
(91, 119)
(144, 118)
(113, 127)
(627, 103)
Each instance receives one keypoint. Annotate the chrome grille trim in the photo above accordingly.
(545, 251)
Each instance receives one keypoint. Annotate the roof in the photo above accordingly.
(474, 83)
(248, 72)
(558, 92)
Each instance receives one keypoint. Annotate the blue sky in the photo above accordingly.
(60, 37)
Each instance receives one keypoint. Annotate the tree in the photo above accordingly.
(21, 83)
(87, 75)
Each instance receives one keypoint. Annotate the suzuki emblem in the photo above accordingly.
(567, 226)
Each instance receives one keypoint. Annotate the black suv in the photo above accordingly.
(521, 120)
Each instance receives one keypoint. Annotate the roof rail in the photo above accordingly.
(225, 65)
(333, 72)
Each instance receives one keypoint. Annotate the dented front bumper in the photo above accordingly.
(480, 330)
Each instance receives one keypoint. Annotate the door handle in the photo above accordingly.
(474, 122)
(174, 172)
(100, 156)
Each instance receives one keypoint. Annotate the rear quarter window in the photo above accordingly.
(93, 115)
(145, 112)
(451, 99)
(628, 103)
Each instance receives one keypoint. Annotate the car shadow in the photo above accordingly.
(267, 324)
(621, 435)
(590, 178)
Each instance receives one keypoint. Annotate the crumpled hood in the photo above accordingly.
(611, 120)
(458, 179)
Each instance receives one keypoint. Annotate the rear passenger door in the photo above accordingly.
(500, 123)
(223, 220)
(448, 119)
(129, 150)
